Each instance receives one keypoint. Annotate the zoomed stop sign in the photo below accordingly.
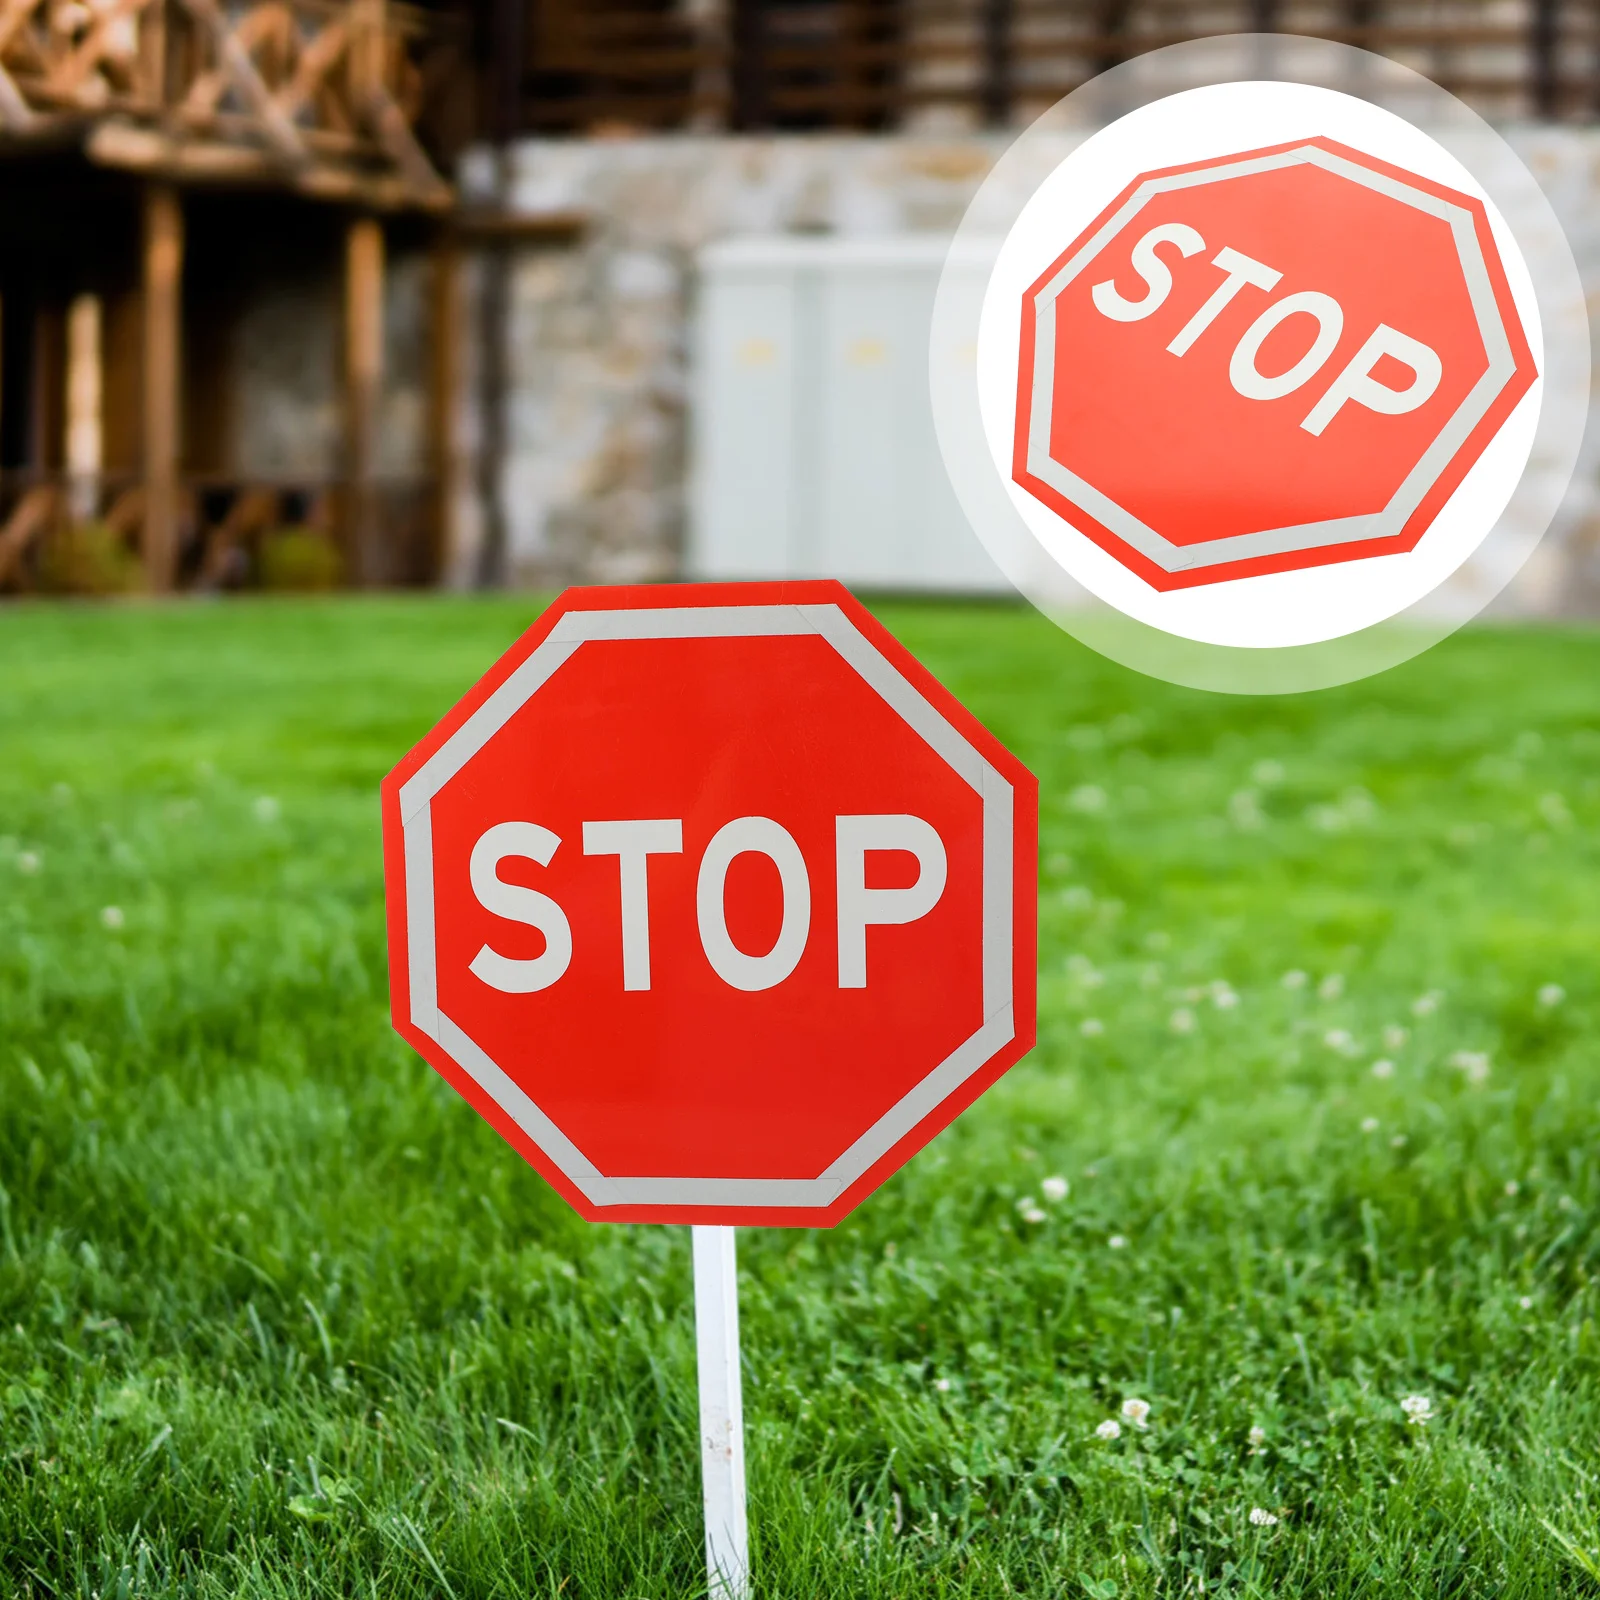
(1274, 359)
(713, 902)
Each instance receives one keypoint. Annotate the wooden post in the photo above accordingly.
(363, 372)
(997, 64)
(163, 314)
(444, 445)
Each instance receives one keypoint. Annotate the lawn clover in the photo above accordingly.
(1526, 1302)
(1136, 1411)
(1418, 1409)
(1383, 1067)
(1474, 1063)
(1394, 1036)
(111, 917)
(1258, 1439)
(942, 1385)
(1109, 1429)
(1550, 996)
(1117, 1242)
(1331, 987)
(1028, 1209)
(1223, 996)
(1513, 1188)
(1369, 1124)
(1293, 979)
(28, 862)
(265, 809)
(1426, 1004)
(1260, 1517)
(1091, 1027)
(1181, 1020)
(1340, 1039)
(1054, 1189)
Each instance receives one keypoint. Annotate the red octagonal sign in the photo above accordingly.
(713, 902)
(1272, 360)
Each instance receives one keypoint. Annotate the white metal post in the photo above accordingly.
(716, 1333)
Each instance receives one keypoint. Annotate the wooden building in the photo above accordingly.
(161, 162)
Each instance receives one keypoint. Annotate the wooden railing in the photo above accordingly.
(60, 536)
(882, 63)
(328, 95)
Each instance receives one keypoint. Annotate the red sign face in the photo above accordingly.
(713, 902)
(1273, 360)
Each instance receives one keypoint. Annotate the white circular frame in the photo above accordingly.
(1213, 636)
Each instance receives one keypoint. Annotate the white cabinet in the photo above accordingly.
(813, 446)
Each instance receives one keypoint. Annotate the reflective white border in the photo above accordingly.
(830, 623)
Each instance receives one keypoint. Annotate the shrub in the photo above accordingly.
(300, 559)
(88, 558)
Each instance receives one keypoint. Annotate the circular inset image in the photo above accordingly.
(1232, 376)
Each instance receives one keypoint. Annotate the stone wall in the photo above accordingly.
(594, 486)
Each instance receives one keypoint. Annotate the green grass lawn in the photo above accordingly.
(280, 1316)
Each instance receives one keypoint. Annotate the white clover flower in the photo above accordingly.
(1136, 1411)
(1054, 1189)
(1223, 998)
(28, 861)
(1091, 1027)
(265, 808)
(1555, 810)
(1109, 1429)
(1369, 1124)
(111, 917)
(1551, 995)
(1331, 987)
(1117, 1242)
(1418, 1409)
(1244, 811)
(1383, 1067)
(1394, 1036)
(1340, 1039)
(1087, 797)
(1526, 1302)
(1267, 772)
(1426, 1004)
(1262, 1518)
(1474, 1063)
(1258, 1437)
(1513, 1188)
(1181, 1020)
(1398, 1142)
(1033, 1214)
(1293, 979)
(942, 1385)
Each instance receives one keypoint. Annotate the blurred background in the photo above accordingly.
(319, 293)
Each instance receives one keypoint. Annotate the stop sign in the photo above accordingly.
(713, 902)
(1270, 360)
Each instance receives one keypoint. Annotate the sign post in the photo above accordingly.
(716, 1336)
(718, 907)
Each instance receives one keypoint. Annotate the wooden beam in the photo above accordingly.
(363, 385)
(163, 330)
(444, 445)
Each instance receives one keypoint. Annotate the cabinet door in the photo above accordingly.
(887, 517)
(742, 493)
